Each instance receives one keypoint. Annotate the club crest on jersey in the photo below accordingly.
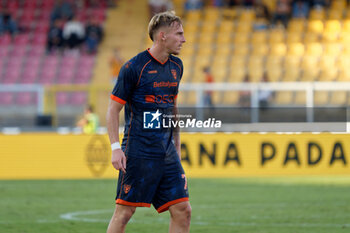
(173, 72)
(151, 120)
(126, 188)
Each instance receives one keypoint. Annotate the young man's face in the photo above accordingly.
(174, 38)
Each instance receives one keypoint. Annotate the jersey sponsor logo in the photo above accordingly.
(173, 72)
(127, 65)
(151, 120)
(160, 99)
(165, 84)
(153, 71)
(127, 188)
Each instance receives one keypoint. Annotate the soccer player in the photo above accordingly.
(150, 171)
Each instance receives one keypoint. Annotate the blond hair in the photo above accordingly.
(162, 19)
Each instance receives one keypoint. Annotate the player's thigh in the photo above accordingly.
(172, 188)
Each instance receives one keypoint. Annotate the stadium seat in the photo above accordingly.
(284, 97)
(296, 26)
(321, 98)
(79, 98)
(278, 49)
(276, 36)
(317, 14)
(338, 98)
(25, 98)
(6, 98)
(62, 98)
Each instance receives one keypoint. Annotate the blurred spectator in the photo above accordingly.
(262, 15)
(94, 35)
(231, 3)
(300, 9)
(62, 10)
(248, 3)
(55, 36)
(73, 33)
(208, 95)
(320, 3)
(7, 23)
(265, 96)
(116, 64)
(90, 121)
(157, 6)
(217, 3)
(244, 96)
(282, 13)
(193, 5)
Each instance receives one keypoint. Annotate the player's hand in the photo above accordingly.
(119, 160)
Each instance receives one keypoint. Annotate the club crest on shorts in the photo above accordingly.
(173, 72)
(126, 188)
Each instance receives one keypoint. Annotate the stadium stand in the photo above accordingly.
(24, 59)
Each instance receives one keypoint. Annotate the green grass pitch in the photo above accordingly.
(245, 205)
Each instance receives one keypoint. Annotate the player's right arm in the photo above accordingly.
(118, 157)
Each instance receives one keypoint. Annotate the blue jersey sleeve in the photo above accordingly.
(125, 85)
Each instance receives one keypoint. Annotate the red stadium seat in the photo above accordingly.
(25, 98)
(79, 98)
(65, 76)
(40, 39)
(11, 77)
(6, 98)
(5, 40)
(62, 98)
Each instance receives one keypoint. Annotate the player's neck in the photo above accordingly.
(159, 53)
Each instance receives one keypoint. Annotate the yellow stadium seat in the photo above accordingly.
(315, 26)
(317, 14)
(193, 16)
(310, 62)
(187, 50)
(226, 26)
(260, 49)
(255, 74)
(328, 62)
(311, 37)
(291, 75)
(332, 49)
(191, 39)
(206, 38)
(208, 27)
(278, 49)
(223, 39)
(300, 98)
(284, 97)
(190, 27)
(229, 13)
(338, 98)
(259, 37)
(186, 76)
(346, 25)
(247, 15)
(321, 97)
(335, 14)
(310, 75)
(328, 75)
(256, 62)
(294, 37)
(241, 49)
(240, 38)
(204, 51)
(211, 14)
(276, 36)
(314, 49)
(330, 37)
(244, 27)
(296, 25)
(220, 61)
(273, 62)
(223, 50)
(237, 71)
(201, 61)
(230, 97)
(292, 62)
(344, 62)
(338, 4)
(295, 49)
(274, 74)
(344, 76)
(219, 73)
(333, 26)
(238, 61)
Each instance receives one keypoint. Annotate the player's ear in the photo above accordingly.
(162, 35)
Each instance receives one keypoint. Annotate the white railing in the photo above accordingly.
(308, 87)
